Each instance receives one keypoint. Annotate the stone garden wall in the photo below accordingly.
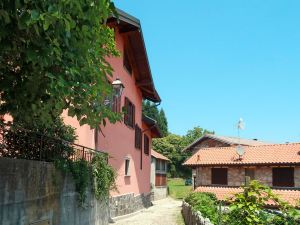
(35, 193)
(193, 218)
(128, 203)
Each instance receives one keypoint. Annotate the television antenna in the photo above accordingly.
(239, 149)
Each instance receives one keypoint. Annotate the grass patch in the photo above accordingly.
(177, 188)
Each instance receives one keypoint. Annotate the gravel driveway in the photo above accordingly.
(163, 212)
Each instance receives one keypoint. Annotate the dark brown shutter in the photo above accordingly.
(126, 111)
(283, 177)
(219, 176)
(146, 145)
(138, 137)
(133, 115)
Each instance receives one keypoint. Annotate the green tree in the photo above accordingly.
(151, 110)
(172, 145)
(163, 122)
(194, 134)
(53, 57)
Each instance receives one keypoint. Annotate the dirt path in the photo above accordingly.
(163, 212)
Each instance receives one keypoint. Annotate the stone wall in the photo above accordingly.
(33, 192)
(159, 193)
(203, 176)
(236, 175)
(128, 203)
(264, 175)
(193, 218)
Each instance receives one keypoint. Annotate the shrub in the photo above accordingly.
(206, 203)
(248, 207)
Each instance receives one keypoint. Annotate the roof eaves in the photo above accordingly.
(152, 123)
(133, 21)
(127, 18)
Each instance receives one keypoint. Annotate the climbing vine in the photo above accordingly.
(103, 175)
(98, 173)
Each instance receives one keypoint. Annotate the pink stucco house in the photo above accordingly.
(128, 142)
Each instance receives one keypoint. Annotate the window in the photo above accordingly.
(127, 163)
(250, 172)
(283, 177)
(126, 62)
(164, 166)
(161, 166)
(157, 165)
(129, 117)
(146, 145)
(138, 137)
(116, 104)
(219, 176)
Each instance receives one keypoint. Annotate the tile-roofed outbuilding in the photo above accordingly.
(276, 154)
(226, 140)
(158, 155)
(224, 193)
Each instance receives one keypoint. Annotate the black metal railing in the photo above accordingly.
(19, 143)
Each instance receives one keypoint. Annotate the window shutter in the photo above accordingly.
(129, 116)
(126, 111)
(219, 176)
(133, 114)
(146, 145)
(283, 177)
(138, 138)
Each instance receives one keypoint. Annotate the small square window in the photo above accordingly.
(250, 172)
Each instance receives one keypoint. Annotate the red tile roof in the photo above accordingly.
(158, 155)
(276, 154)
(223, 193)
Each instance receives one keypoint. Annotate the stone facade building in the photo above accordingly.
(223, 170)
(213, 141)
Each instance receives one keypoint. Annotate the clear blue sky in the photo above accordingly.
(215, 61)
